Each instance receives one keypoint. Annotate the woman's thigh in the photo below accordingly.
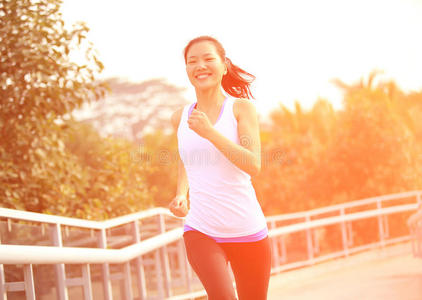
(251, 265)
(210, 263)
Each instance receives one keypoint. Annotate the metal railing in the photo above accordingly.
(415, 225)
(142, 255)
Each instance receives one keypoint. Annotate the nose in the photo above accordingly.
(201, 65)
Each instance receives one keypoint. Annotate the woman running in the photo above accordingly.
(219, 150)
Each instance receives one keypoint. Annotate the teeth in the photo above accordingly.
(202, 76)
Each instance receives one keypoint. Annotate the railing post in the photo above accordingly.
(275, 252)
(380, 225)
(165, 259)
(29, 282)
(127, 277)
(386, 227)
(3, 292)
(309, 242)
(315, 241)
(126, 291)
(283, 249)
(141, 282)
(418, 232)
(9, 225)
(108, 295)
(349, 234)
(87, 284)
(159, 274)
(62, 293)
(344, 233)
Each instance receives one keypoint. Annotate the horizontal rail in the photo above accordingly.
(167, 247)
(338, 219)
(346, 205)
(17, 254)
(44, 218)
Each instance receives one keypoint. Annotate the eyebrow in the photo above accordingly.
(206, 54)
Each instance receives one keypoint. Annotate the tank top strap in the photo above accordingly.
(230, 109)
(223, 107)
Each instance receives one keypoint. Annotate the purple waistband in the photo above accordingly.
(241, 239)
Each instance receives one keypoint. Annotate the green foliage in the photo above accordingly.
(291, 149)
(159, 152)
(370, 148)
(114, 181)
(39, 84)
(50, 163)
(38, 78)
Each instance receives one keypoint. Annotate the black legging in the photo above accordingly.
(250, 262)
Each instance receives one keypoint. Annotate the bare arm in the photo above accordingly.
(247, 155)
(179, 205)
(182, 180)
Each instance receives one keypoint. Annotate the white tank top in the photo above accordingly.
(223, 202)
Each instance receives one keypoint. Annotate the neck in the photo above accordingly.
(209, 99)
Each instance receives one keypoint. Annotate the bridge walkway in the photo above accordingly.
(392, 273)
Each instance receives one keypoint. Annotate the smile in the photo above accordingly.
(202, 76)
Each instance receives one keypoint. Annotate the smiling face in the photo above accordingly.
(204, 66)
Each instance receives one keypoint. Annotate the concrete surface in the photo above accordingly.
(391, 273)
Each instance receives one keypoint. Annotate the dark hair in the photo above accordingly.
(237, 81)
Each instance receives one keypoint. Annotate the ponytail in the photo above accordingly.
(236, 82)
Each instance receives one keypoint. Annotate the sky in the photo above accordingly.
(294, 48)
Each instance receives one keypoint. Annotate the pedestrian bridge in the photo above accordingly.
(355, 250)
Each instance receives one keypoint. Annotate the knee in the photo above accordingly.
(222, 294)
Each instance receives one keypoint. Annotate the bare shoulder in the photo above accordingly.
(176, 116)
(242, 107)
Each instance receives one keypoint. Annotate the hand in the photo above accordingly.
(179, 206)
(198, 121)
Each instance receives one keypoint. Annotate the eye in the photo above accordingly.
(210, 59)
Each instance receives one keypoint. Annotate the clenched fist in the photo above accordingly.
(198, 121)
(179, 206)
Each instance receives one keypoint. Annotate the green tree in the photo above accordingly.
(115, 179)
(159, 152)
(374, 145)
(291, 148)
(39, 85)
(321, 157)
(140, 113)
